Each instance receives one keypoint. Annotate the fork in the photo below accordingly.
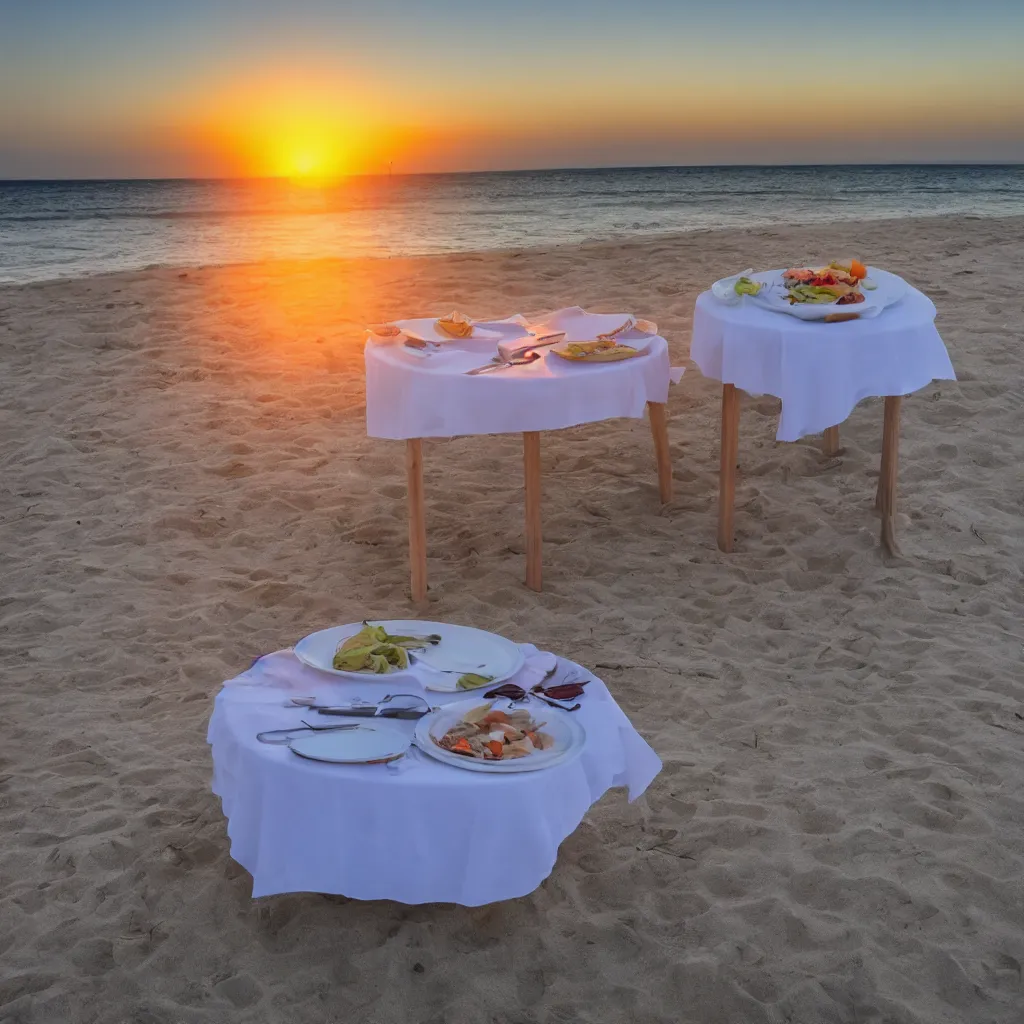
(282, 736)
(609, 335)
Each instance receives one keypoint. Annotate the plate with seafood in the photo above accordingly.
(837, 291)
(438, 655)
(500, 736)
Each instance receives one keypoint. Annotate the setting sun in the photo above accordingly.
(306, 128)
(307, 158)
(308, 146)
(306, 164)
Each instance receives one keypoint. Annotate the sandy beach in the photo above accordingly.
(838, 832)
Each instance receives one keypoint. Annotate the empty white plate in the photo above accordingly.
(364, 744)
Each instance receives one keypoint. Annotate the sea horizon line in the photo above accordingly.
(511, 171)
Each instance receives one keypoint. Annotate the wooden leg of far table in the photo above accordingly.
(417, 519)
(659, 430)
(885, 499)
(531, 473)
(830, 443)
(727, 466)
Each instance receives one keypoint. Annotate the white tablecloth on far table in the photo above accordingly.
(418, 831)
(409, 395)
(819, 370)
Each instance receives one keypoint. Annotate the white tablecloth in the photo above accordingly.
(410, 395)
(819, 370)
(418, 831)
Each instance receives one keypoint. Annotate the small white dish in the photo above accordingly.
(365, 744)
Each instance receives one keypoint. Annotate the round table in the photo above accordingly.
(410, 396)
(417, 831)
(820, 371)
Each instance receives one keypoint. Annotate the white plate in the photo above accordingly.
(561, 726)
(426, 329)
(773, 296)
(462, 648)
(639, 343)
(365, 743)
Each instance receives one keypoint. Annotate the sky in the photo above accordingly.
(201, 88)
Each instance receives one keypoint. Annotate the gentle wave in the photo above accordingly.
(49, 229)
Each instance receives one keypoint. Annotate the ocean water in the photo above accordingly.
(58, 229)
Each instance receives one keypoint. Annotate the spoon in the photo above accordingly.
(527, 357)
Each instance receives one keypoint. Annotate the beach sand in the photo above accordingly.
(838, 832)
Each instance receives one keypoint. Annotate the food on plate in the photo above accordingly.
(385, 330)
(588, 348)
(602, 349)
(745, 286)
(374, 649)
(852, 267)
(833, 284)
(473, 680)
(491, 735)
(455, 325)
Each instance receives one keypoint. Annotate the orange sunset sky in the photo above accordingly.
(111, 89)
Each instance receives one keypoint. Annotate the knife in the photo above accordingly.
(402, 713)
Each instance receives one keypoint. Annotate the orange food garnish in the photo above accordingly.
(858, 270)
(495, 747)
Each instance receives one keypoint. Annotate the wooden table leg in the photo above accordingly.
(885, 499)
(417, 519)
(659, 431)
(727, 466)
(531, 472)
(830, 442)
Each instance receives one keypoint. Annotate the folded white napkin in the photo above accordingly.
(537, 665)
(515, 347)
(575, 324)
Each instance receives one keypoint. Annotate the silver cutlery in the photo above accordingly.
(609, 335)
(311, 703)
(377, 710)
(282, 736)
(404, 714)
(523, 360)
(413, 658)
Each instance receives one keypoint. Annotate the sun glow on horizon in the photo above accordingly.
(310, 130)
(308, 155)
